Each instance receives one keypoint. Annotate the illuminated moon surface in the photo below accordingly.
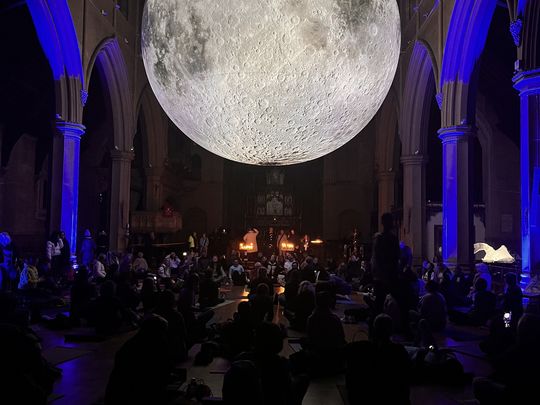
(271, 82)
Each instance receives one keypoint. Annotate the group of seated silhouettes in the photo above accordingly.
(171, 311)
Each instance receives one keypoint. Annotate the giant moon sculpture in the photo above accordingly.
(271, 82)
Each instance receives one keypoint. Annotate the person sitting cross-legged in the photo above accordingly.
(377, 371)
(279, 386)
(176, 332)
(325, 337)
(483, 307)
(142, 367)
(262, 306)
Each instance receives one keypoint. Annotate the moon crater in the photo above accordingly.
(270, 82)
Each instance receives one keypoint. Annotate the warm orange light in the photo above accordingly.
(246, 246)
(287, 247)
(317, 241)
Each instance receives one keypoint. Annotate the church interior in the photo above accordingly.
(269, 202)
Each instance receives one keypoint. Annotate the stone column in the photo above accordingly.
(65, 179)
(528, 85)
(386, 185)
(153, 188)
(120, 193)
(414, 205)
(458, 226)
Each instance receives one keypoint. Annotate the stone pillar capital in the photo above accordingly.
(527, 82)
(70, 129)
(456, 133)
(413, 160)
(122, 155)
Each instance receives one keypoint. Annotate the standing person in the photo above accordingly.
(204, 242)
(88, 248)
(385, 260)
(250, 238)
(65, 251)
(102, 243)
(192, 241)
(54, 251)
(282, 238)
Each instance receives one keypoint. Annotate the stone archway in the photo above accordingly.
(58, 38)
(108, 58)
(419, 92)
(458, 82)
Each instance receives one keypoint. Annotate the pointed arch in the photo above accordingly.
(155, 127)
(56, 33)
(465, 40)
(109, 59)
(420, 87)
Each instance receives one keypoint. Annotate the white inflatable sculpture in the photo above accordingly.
(501, 255)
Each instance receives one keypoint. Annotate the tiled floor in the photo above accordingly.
(84, 378)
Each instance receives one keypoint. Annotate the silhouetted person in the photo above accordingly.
(325, 336)
(385, 260)
(378, 370)
(237, 336)
(304, 306)
(127, 292)
(291, 289)
(513, 298)
(82, 292)
(432, 307)
(483, 307)
(195, 323)
(278, 385)
(148, 294)
(142, 367)
(176, 333)
(209, 290)
(516, 376)
(307, 272)
(261, 278)
(262, 305)
(25, 377)
(242, 384)
(107, 312)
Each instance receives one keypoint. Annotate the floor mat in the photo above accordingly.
(61, 354)
(343, 393)
(470, 350)
(223, 304)
(464, 336)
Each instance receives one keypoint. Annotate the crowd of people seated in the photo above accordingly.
(171, 306)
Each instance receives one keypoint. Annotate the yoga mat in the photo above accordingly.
(464, 336)
(471, 351)
(61, 354)
(223, 304)
(343, 392)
